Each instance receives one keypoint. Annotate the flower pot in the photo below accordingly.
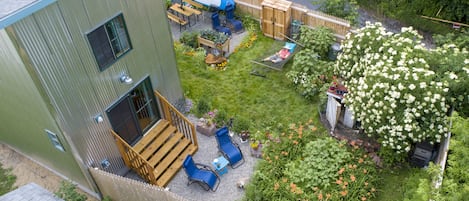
(206, 130)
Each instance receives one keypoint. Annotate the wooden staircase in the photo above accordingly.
(165, 149)
(159, 155)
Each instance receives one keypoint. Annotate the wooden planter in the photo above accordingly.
(225, 47)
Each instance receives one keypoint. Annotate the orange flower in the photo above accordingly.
(365, 171)
(350, 166)
(338, 182)
(295, 142)
(314, 128)
(373, 189)
(343, 193)
(328, 195)
(320, 196)
(292, 187)
(354, 166)
(352, 177)
(276, 186)
(360, 160)
(345, 183)
(341, 170)
(366, 183)
(363, 198)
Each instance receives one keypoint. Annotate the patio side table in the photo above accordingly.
(220, 164)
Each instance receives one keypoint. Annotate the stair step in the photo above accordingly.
(166, 148)
(158, 142)
(148, 138)
(174, 168)
(169, 147)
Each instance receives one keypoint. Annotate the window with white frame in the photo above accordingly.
(109, 41)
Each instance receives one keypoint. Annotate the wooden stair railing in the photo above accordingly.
(159, 155)
(177, 119)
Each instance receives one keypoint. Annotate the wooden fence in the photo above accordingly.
(299, 12)
(119, 188)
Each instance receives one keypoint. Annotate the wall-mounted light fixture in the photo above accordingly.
(126, 79)
(99, 118)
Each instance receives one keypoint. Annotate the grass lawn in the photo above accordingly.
(268, 103)
(265, 102)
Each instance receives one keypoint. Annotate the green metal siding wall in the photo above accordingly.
(25, 115)
(55, 41)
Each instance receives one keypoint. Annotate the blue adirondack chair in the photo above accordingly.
(201, 174)
(235, 25)
(228, 148)
(217, 26)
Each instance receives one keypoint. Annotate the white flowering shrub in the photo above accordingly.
(392, 90)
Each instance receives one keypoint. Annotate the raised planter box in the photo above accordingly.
(225, 47)
(206, 130)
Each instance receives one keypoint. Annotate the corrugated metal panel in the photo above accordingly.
(58, 48)
(25, 114)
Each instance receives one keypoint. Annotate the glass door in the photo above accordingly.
(135, 113)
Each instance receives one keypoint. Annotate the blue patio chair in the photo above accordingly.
(217, 25)
(228, 148)
(234, 24)
(201, 174)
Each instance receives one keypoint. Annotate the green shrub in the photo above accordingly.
(240, 124)
(319, 40)
(347, 9)
(189, 39)
(309, 74)
(7, 180)
(461, 40)
(67, 191)
(319, 163)
(203, 106)
(221, 118)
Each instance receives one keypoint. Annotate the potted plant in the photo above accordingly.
(256, 145)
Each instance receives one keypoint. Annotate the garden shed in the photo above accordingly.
(73, 71)
(336, 110)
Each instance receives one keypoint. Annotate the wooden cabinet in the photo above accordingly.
(275, 19)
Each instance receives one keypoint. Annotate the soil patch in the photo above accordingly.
(27, 171)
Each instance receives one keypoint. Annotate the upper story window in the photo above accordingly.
(109, 41)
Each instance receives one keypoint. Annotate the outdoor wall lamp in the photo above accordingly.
(99, 118)
(126, 79)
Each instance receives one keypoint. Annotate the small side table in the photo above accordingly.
(220, 164)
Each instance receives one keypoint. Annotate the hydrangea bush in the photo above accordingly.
(392, 90)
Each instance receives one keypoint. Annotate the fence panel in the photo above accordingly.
(119, 188)
(308, 17)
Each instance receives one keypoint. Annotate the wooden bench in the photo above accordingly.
(178, 20)
(193, 3)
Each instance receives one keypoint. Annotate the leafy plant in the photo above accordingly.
(309, 74)
(67, 191)
(214, 36)
(7, 180)
(347, 9)
(319, 164)
(318, 40)
(221, 118)
(240, 124)
(189, 39)
(203, 106)
(461, 40)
